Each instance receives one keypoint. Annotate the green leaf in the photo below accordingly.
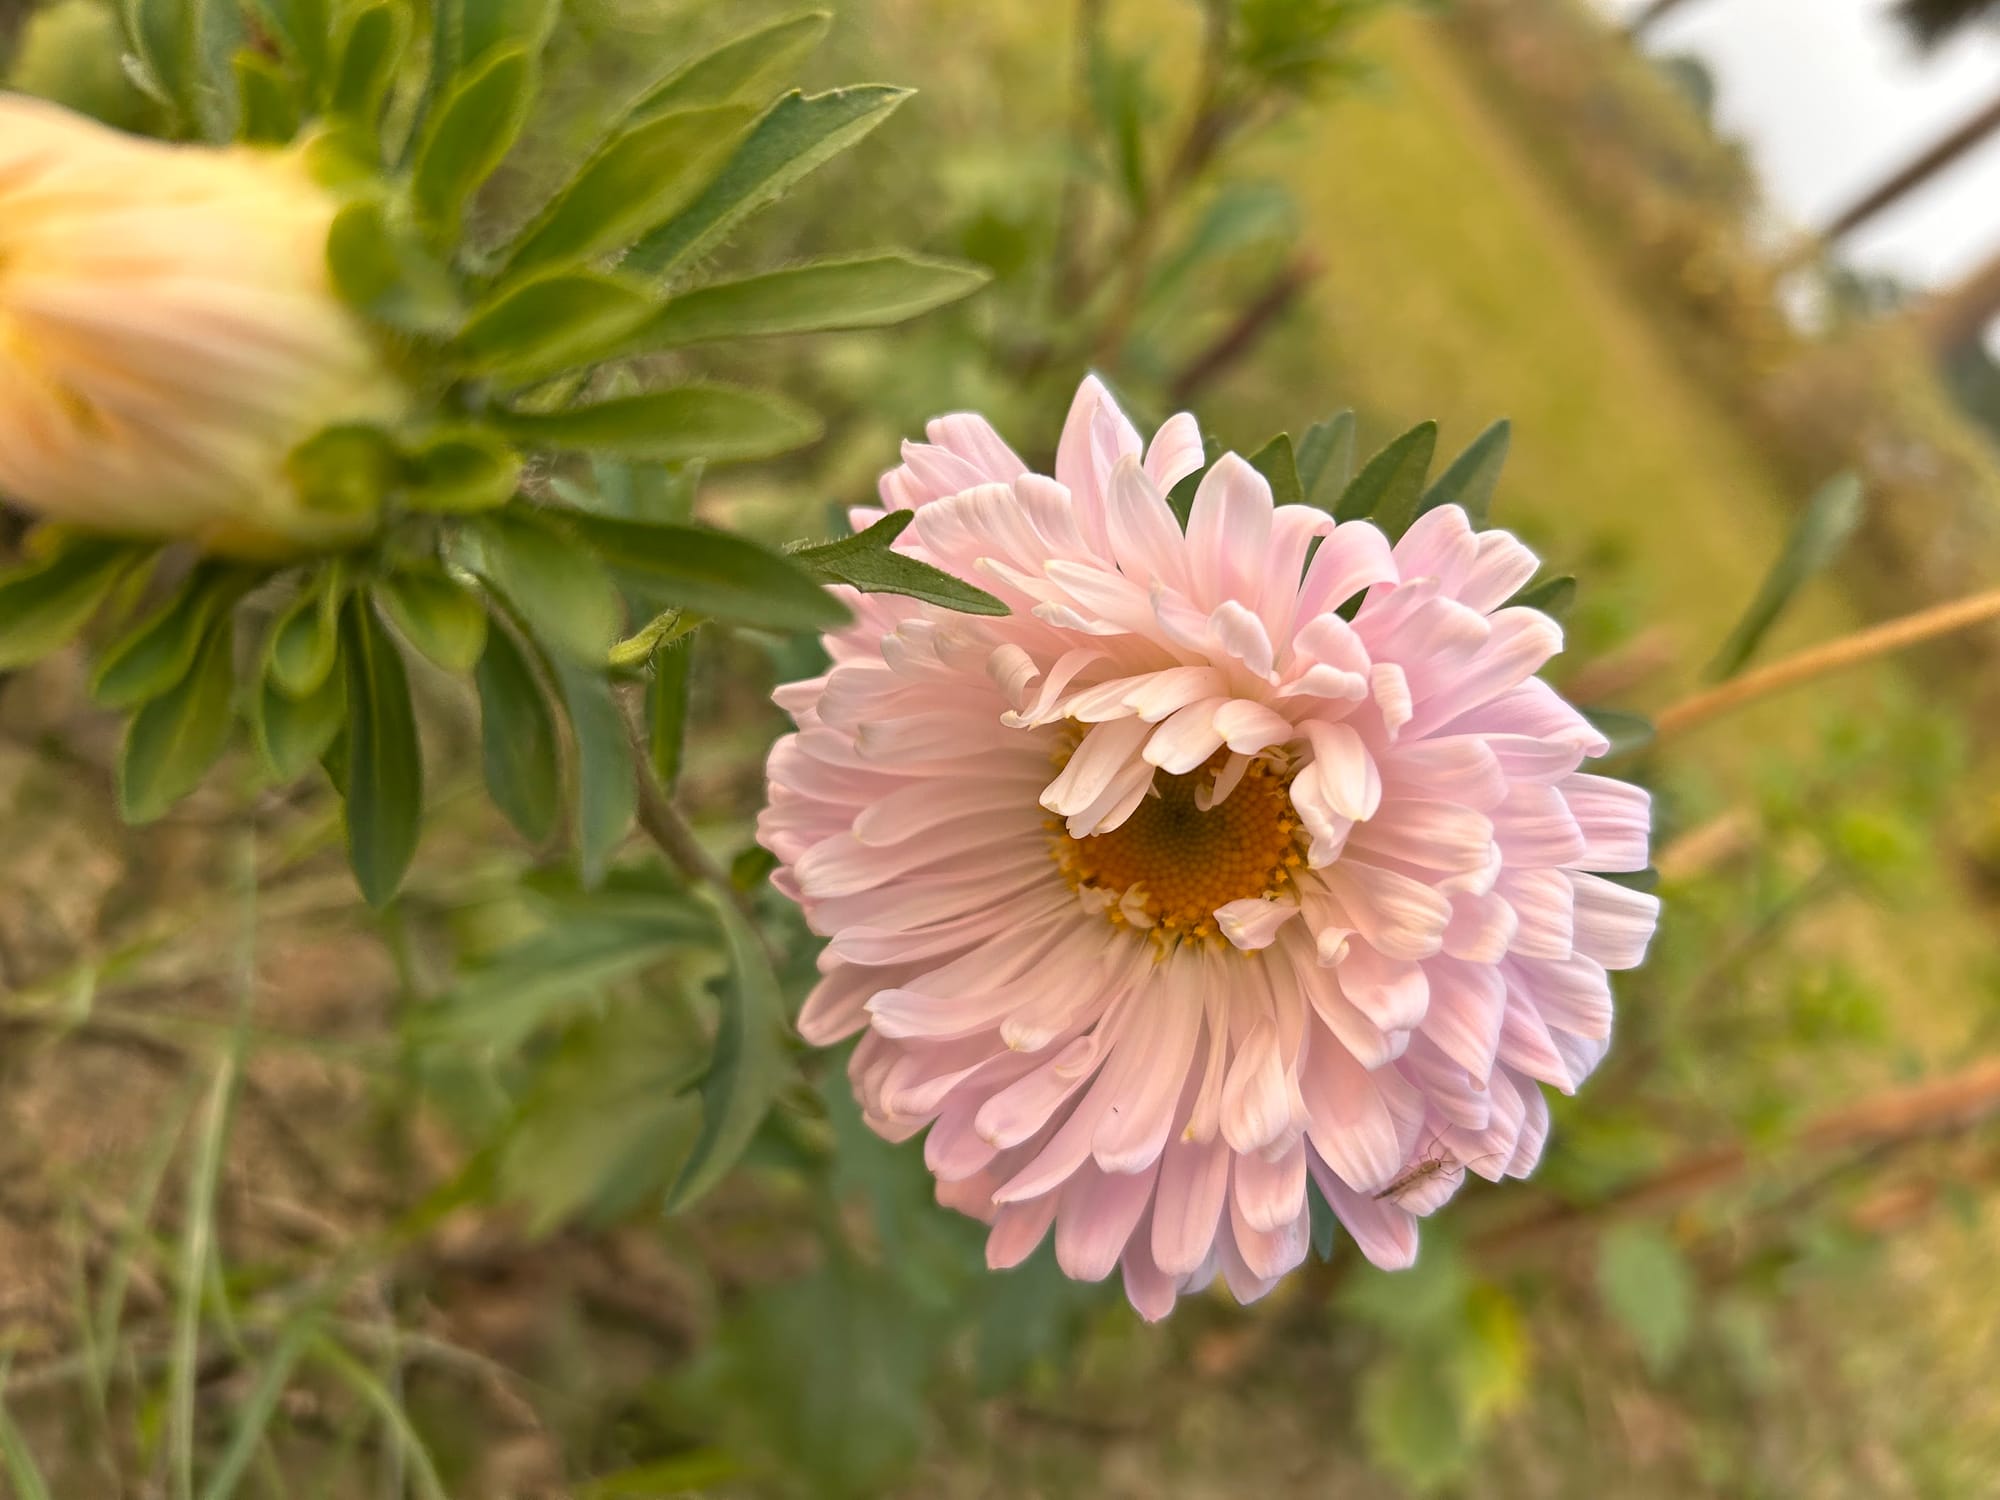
(1552, 596)
(712, 573)
(643, 492)
(594, 944)
(667, 710)
(174, 739)
(1281, 470)
(292, 733)
(865, 561)
(45, 602)
(24, 1476)
(869, 292)
(166, 40)
(457, 471)
(371, 46)
(1470, 481)
(743, 68)
(713, 422)
(608, 1123)
(302, 29)
(271, 108)
(634, 182)
(161, 649)
(517, 729)
(467, 137)
(607, 794)
(1830, 519)
(440, 617)
(385, 770)
(541, 327)
(304, 640)
(344, 471)
(1411, 1420)
(1326, 460)
(483, 25)
(750, 1065)
(1648, 1287)
(796, 135)
(382, 271)
(1180, 499)
(1389, 484)
(550, 579)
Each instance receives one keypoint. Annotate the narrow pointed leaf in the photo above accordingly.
(869, 292)
(865, 561)
(554, 582)
(1552, 596)
(745, 68)
(174, 739)
(272, 110)
(750, 1065)
(1326, 460)
(712, 573)
(161, 649)
(1389, 484)
(466, 137)
(44, 603)
(713, 422)
(667, 709)
(796, 135)
(519, 747)
(385, 773)
(636, 181)
(541, 327)
(1280, 469)
(370, 50)
(1470, 480)
(440, 617)
(1830, 518)
(606, 793)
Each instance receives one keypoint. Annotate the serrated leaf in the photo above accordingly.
(554, 582)
(712, 573)
(467, 137)
(371, 46)
(1830, 518)
(385, 772)
(383, 272)
(46, 602)
(161, 649)
(865, 561)
(634, 182)
(174, 739)
(1275, 461)
(712, 422)
(459, 471)
(749, 1067)
(304, 640)
(606, 793)
(440, 617)
(1647, 1285)
(498, 1005)
(1552, 596)
(867, 292)
(1389, 485)
(1326, 460)
(520, 751)
(796, 135)
(271, 111)
(744, 67)
(1470, 481)
(291, 732)
(667, 710)
(540, 327)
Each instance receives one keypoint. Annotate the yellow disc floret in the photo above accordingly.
(1172, 863)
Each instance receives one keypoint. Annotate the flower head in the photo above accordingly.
(168, 335)
(1235, 856)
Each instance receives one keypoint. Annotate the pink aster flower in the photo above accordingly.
(1227, 860)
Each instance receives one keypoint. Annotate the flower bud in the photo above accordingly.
(168, 336)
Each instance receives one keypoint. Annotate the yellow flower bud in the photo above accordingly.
(168, 336)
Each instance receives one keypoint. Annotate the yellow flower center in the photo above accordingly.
(1171, 864)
